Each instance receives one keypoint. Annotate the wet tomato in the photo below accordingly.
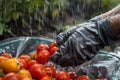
(23, 64)
(24, 73)
(27, 58)
(33, 55)
(11, 65)
(11, 76)
(32, 62)
(72, 75)
(46, 78)
(53, 49)
(26, 78)
(41, 47)
(2, 60)
(42, 56)
(37, 71)
(7, 55)
(62, 75)
(1, 78)
(83, 77)
(50, 70)
(52, 44)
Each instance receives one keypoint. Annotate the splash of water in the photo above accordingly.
(22, 45)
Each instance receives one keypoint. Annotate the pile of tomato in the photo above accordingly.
(33, 66)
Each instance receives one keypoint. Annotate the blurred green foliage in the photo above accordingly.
(14, 13)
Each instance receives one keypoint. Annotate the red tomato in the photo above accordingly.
(11, 76)
(23, 64)
(42, 47)
(32, 62)
(27, 58)
(7, 55)
(1, 78)
(2, 60)
(50, 70)
(62, 75)
(46, 78)
(72, 75)
(37, 71)
(83, 77)
(52, 44)
(42, 56)
(53, 49)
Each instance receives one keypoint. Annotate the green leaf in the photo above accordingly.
(37, 3)
(15, 15)
(2, 26)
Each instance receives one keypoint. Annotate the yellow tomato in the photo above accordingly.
(11, 65)
(33, 55)
(26, 78)
(24, 73)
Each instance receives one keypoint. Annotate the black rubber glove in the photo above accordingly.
(63, 36)
(84, 43)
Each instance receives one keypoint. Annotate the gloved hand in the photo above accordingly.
(84, 43)
(62, 37)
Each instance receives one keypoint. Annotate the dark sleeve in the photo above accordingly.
(97, 18)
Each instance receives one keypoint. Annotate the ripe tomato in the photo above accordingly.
(24, 73)
(11, 65)
(52, 44)
(23, 64)
(26, 78)
(7, 55)
(11, 76)
(2, 60)
(33, 55)
(42, 56)
(53, 49)
(37, 71)
(27, 58)
(46, 78)
(83, 77)
(72, 75)
(42, 47)
(1, 78)
(62, 75)
(50, 70)
(32, 62)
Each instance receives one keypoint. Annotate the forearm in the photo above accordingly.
(112, 12)
(115, 24)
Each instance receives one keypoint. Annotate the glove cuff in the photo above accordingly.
(106, 33)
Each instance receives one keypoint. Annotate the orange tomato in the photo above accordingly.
(26, 78)
(24, 73)
(11, 65)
